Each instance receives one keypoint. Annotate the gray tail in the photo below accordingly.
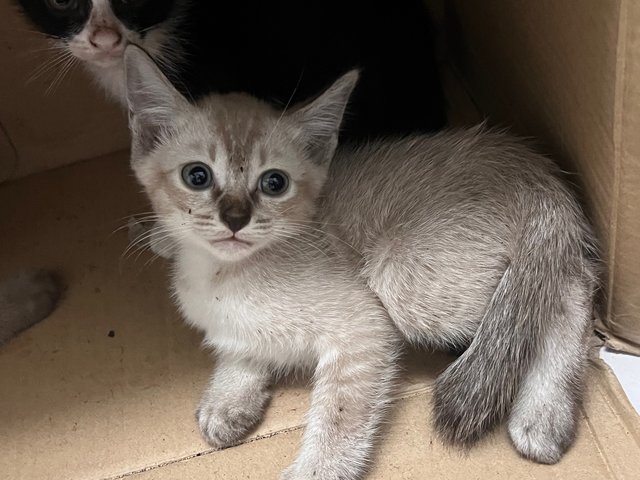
(478, 389)
(25, 299)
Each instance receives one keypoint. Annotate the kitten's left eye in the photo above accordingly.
(197, 176)
(274, 182)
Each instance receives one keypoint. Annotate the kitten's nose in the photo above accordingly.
(236, 218)
(105, 39)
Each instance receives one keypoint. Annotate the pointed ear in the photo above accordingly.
(153, 101)
(320, 119)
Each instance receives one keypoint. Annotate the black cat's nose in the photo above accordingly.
(235, 214)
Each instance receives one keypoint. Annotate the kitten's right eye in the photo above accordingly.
(197, 176)
(62, 5)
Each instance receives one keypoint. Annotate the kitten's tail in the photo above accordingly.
(549, 261)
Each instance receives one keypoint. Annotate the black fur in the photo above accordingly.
(140, 15)
(57, 24)
(289, 50)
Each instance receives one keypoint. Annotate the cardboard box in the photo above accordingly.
(569, 76)
(106, 387)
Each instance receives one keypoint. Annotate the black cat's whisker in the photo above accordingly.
(64, 70)
(49, 65)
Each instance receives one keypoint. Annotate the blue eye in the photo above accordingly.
(274, 182)
(197, 176)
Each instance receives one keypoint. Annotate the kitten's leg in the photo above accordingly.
(25, 299)
(542, 423)
(234, 401)
(350, 396)
(156, 241)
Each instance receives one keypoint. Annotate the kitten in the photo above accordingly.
(282, 51)
(238, 190)
(25, 299)
(465, 237)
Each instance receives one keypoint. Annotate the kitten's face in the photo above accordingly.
(228, 179)
(98, 31)
(231, 173)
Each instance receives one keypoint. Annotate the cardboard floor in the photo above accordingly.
(107, 386)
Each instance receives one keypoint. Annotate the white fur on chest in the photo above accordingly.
(237, 316)
(111, 79)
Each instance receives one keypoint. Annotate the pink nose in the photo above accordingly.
(105, 39)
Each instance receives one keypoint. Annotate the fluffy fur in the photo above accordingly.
(467, 238)
(26, 298)
(281, 51)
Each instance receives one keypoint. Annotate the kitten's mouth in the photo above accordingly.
(232, 240)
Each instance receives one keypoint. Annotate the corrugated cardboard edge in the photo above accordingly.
(613, 342)
(607, 159)
(615, 394)
(619, 327)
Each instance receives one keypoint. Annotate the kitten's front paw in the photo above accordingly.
(304, 471)
(226, 426)
(294, 472)
(289, 473)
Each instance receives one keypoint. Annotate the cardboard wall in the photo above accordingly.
(47, 121)
(569, 75)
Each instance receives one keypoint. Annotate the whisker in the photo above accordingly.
(324, 232)
(284, 110)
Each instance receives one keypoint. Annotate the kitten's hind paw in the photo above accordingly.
(544, 437)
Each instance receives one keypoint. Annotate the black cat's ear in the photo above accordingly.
(320, 120)
(153, 101)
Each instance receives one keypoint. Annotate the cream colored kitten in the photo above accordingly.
(237, 190)
(467, 238)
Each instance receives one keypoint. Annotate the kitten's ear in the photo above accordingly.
(152, 99)
(320, 120)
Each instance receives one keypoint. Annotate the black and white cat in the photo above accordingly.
(283, 51)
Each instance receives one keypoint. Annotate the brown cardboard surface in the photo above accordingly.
(77, 403)
(569, 76)
(54, 126)
(624, 308)
(410, 451)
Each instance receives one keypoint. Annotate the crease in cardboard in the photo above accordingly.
(8, 167)
(621, 59)
(408, 392)
(209, 451)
